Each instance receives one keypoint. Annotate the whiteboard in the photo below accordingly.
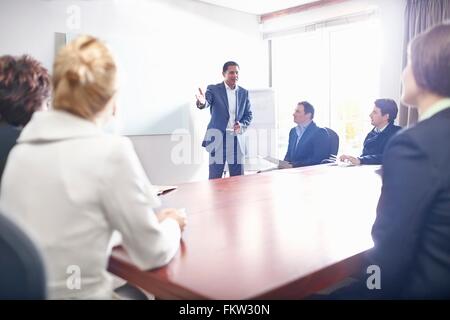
(263, 107)
(154, 96)
(262, 135)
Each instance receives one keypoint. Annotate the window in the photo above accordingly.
(337, 70)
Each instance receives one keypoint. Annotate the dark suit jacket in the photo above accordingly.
(375, 143)
(412, 229)
(8, 137)
(411, 232)
(313, 147)
(216, 96)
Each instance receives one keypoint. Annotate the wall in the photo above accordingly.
(390, 13)
(35, 21)
(214, 33)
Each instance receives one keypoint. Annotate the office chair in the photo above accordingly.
(334, 144)
(22, 273)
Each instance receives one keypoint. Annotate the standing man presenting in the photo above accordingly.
(230, 116)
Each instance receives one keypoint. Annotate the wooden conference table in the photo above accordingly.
(277, 235)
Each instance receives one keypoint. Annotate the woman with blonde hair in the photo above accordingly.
(70, 185)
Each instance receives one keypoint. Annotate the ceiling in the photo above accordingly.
(258, 7)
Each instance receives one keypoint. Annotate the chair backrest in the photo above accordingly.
(334, 141)
(22, 272)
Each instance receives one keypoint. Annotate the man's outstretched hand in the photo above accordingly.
(201, 101)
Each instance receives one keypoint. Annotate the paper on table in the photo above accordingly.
(267, 170)
(342, 164)
(276, 161)
(345, 164)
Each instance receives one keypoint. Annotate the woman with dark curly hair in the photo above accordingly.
(24, 89)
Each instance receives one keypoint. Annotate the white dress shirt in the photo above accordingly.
(70, 186)
(378, 130)
(232, 103)
(300, 130)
